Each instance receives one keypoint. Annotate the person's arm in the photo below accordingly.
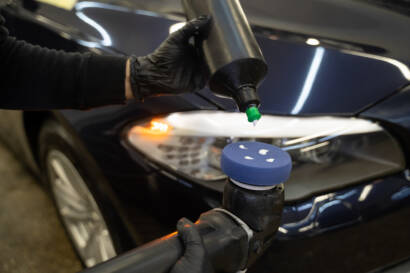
(33, 77)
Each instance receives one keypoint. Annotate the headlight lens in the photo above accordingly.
(327, 152)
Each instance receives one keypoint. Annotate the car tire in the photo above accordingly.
(80, 196)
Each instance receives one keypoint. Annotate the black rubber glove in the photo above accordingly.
(195, 259)
(175, 67)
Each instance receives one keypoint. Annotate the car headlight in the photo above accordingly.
(327, 152)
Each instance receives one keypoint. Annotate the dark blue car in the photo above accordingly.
(337, 98)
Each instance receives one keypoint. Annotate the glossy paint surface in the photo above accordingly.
(302, 79)
(353, 205)
(320, 80)
(394, 109)
(369, 230)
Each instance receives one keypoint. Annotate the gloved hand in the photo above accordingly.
(174, 67)
(195, 259)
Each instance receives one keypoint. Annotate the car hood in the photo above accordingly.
(311, 80)
(359, 55)
(308, 74)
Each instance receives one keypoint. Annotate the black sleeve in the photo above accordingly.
(32, 77)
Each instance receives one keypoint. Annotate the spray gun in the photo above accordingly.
(234, 235)
(234, 59)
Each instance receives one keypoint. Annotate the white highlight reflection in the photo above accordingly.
(175, 27)
(403, 68)
(106, 38)
(282, 230)
(365, 192)
(310, 79)
(313, 147)
(263, 152)
(313, 42)
(243, 147)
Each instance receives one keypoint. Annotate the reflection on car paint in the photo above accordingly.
(310, 80)
(106, 37)
(402, 67)
(354, 205)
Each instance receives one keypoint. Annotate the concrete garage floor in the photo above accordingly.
(32, 239)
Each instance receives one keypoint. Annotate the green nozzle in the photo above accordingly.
(253, 114)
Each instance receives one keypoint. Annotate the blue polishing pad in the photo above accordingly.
(256, 163)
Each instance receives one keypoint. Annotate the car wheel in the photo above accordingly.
(75, 196)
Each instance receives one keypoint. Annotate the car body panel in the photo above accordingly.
(394, 109)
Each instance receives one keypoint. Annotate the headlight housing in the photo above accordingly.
(327, 152)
